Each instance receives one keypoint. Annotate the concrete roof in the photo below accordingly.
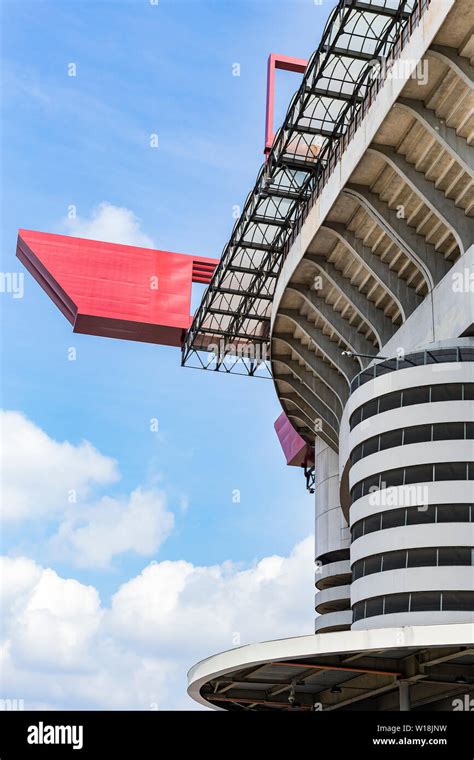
(350, 669)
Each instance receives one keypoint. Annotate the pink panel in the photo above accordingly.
(286, 63)
(295, 449)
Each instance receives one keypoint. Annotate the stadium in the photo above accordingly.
(348, 281)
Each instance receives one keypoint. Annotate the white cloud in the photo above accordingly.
(111, 224)
(44, 478)
(41, 476)
(63, 649)
(158, 608)
(17, 578)
(56, 625)
(92, 537)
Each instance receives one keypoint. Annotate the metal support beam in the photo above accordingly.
(302, 129)
(405, 296)
(322, 92)
(461, 226)
(230, 313)
(356, 55)
(340, 668)
(452, 655)
(381, 325)
(360, 697)
(257, 219)
(299, 164)
(374, 40)
(246, 701)
(287, 194)
(247, 270)
(253, 246)
(381, 10)
(235, 292)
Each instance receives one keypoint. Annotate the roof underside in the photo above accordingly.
(339, 84)
(357, 681)
(385, 238)
(393, 232)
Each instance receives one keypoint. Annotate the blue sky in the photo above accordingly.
(83, 141)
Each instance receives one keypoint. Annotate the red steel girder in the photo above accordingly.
(116, 291)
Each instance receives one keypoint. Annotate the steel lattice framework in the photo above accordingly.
(230, 328)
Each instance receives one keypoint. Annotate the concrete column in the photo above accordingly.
(404, 694)
(332, 601)
(331, 530)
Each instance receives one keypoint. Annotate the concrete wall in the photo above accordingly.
(444, 314)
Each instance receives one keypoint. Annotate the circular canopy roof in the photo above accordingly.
(343, 670)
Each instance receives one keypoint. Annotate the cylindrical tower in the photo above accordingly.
(409, 473)
(333, 572)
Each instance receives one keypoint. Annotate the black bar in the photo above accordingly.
(154, 733)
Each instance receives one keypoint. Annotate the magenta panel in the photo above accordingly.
(295, 449)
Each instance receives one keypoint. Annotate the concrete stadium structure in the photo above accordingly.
(349, 280)
(370, 324)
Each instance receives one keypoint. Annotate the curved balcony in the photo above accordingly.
(333, 574)
(333, 621)
(333, 599)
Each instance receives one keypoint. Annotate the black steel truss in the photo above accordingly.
(340, 82)
(310, 477)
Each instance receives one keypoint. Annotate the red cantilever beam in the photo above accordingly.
(286, 63)
(116, 291)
